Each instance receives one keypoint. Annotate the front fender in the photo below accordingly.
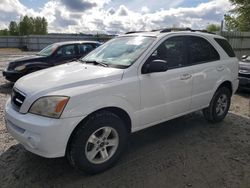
(95, 103)
(37, 65)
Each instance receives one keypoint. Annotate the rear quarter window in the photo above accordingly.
(201, 51)
(225, 46)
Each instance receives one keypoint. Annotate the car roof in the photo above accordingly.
(163, 32)
(76, 42)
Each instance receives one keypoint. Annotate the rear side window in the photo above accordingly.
(201, 51)
(225, 46)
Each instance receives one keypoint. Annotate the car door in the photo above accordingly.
(207, 70)
(167, 94)
(65, 54)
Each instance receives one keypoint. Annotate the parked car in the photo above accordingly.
(52, 55)
(86, 109)
(244, 72)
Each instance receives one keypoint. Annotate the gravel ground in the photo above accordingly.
(185, 152)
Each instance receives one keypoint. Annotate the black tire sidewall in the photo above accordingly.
(218, 93)
(77, 150)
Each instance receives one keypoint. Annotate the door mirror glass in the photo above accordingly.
(157, 65)
(244, 57)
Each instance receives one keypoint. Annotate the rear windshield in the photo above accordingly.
(226, 46)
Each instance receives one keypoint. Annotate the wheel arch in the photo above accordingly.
(116, 110)
(228, 84)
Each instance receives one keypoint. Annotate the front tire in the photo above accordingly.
(98, 143)
(219, 106)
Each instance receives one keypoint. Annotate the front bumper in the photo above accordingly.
(244, 82)
(43, 136)
(12, 76)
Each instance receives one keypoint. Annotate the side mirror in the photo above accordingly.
(155, 66)
(244, 57)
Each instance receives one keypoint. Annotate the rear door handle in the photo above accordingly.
(220, 68)
(185, 76)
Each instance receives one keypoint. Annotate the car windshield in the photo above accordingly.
(47, 50)
(120, 52)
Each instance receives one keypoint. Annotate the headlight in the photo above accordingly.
(20, 68)
(51, 106)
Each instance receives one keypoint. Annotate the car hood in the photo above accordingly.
(25, 60)
(28, 58)
(66, 76)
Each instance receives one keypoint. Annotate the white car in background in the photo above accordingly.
(85, 110)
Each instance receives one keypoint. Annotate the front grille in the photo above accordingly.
(11, 66)
(17, 98)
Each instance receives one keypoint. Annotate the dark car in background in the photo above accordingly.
(244, 72)
(52, 55)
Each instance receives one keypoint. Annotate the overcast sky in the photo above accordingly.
(115, 16)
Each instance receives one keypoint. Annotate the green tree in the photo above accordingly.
(238, 19)
(44, 24)
(213, 28)
(13, 28)
(4, 32)
(26, 26)
(38, 25)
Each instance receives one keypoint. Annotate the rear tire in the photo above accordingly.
(219, 106)
(97, 143)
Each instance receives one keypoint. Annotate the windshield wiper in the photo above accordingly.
(95, 62)
(40, 54)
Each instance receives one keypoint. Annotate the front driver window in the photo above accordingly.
(85, 48)
(66, 51)
(172, 50)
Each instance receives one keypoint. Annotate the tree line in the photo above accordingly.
(237, 19)
(27, 26)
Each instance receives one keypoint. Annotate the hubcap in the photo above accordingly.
(221, 105)
(102, 145)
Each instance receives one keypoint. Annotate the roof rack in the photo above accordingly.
(130, 32)
(166, 30)
(182, 29)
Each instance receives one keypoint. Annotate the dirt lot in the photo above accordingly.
(185, 152)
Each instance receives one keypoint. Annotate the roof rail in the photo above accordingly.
(166, 30)
(182, 29)
(202, 30)
(130, 32)
(173, 29)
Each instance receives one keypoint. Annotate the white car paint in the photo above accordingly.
(148, 99)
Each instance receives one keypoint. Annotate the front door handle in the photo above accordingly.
(186, 76)
(220, 68)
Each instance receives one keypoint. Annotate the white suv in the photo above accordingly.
(86, 109)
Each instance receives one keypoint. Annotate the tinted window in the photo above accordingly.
(226, 46)
(173, 50)
(200, 50)
(68, 50)
(85, 48)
